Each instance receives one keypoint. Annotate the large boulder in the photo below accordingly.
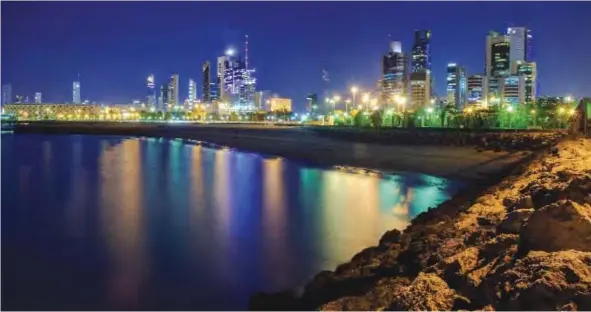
(514, 220)
(544, 281)
(559, 226)
(427, 292)
(378, 298)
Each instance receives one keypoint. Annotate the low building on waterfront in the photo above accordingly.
(278, 104)
(68, 112)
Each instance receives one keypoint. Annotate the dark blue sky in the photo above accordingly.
(115, 45)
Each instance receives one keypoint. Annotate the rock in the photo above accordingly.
(281, 301)
(514, 220)
(378, 298)
(389, 238)
(426, 292)
(455, 268)
(545, 281)
(560, 226)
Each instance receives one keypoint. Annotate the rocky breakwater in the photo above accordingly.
(522, 244)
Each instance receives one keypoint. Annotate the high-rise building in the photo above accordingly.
(394, 80)
(76, 99)
(164, 97)
(206, 76)
(420, 90)
(223, 64)
(421, 52)
(477, 90)
(520, 40)
(173, 91)
(37, 97)
(214, 92)
(7, 94)
(151, 96)
(497, 55)
(528, 71)
(456, 85)
(192, 90)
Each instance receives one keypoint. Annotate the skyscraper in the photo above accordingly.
(164, 101)
(214, 93)
(394, 74)
(513, 90)
(76, 93)
(498, 63)
(420, 90)
(7, 94)
(206, 74)
(456, 85)
(192, 90)
(37, 97)
(151, 97)
(421, 52)
(173, 91)
(223, 63)
(529, 72)
(520, 39)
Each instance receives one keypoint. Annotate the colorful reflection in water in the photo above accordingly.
(93, 222)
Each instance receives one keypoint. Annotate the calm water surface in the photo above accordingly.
(91, 222)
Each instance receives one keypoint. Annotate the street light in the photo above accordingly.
(347, 102)
(335, 100)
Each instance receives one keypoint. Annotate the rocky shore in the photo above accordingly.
(522, 244)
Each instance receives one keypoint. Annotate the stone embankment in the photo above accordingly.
(522, 244)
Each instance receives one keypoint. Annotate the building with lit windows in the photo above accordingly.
(222, 64)
(420, 90)
(163, 100)
(280, 104)
(76, 99)
(497, 55)
(214, 91)
(7, 94)
(37, 97)
(456, 85)
(192, 90)
(513, 89)
(151, 95)
(520, 40)
(394, 80)
(173, 91)
(477, 90)
(421, 52)
(206, 82)
(528, 71)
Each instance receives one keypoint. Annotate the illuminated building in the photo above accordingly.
(206, 76)
(192, 90)
(421, 52)
(173, 91)
(54, 111)
(497, 55)
(528, 71)
(151, 97)
(280, 104)
(37, 97)
(214, 92)
(312, 102)
(420, 90)
(6, 94)
(456, 85)
(513, 90)
(164, 93)
(520, 39)
(223, 63)
(76, 99)
(394, 80)
(477, 90)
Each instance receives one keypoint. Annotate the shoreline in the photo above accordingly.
(464, 163)
(521, 243)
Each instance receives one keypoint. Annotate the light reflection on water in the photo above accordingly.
(137, 223)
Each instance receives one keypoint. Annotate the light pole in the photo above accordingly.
(366, 100)
(335, 100)
(347, 102)
(354, 92)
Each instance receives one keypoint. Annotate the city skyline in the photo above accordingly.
(289, 60)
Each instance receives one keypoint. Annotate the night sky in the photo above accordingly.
(114, 45)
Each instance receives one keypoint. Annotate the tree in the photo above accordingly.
(376, 119)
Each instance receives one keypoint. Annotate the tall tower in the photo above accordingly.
(76, 99)
(37, 97)
(497, 55)
(164, 97)
(420, 78)
(192, 90)
(394, 80)
(7, 94)
(223, 64)
(456, 85)
(206, 76)
(173, 91)
(520, 48)
(151, 97)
